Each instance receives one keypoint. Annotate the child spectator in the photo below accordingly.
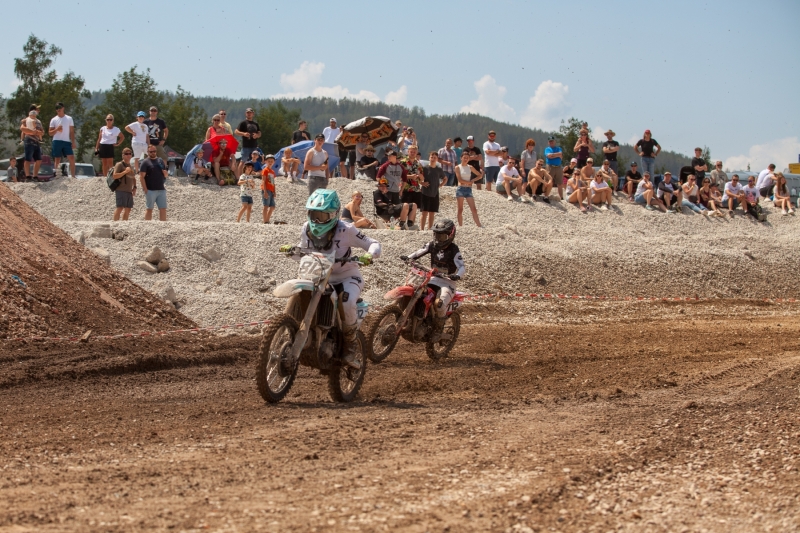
(246, 187)
(255, 158)
(289, 165)
(11, 173)
(199, 167)
(433, 177)
(268, 188)
(716, 197)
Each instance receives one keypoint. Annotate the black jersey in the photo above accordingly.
(448, 260)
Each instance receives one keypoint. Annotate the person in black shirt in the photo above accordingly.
(158, 132)
(475, 158)
(632, 179)
(368, 165)
(301, 134)
(699, 165)
(610, 149)
(386, 209)
(648, 148)
(250, 132)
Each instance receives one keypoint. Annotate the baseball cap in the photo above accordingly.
(153, 108)
(492, 132)
(269, 156)
(249, 110)
(647, 131)
(470, 138)
(319, 136)
(668, 173)
(383, 181)
(333, 120)
(634, 164)
(141, 114)
(32, 113)
(573, 160)
(59, 105)
(551, 138)
(390, 152)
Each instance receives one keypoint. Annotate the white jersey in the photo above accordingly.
(346, 237)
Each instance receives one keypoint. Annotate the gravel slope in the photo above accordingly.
(530, 248)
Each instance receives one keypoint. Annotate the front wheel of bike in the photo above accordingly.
(344, 382)
(439, 350)
(382, 333)
(275, 371)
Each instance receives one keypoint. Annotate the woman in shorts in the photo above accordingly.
(351, 213)
(781, 197)
(577, 191)
(110, 136)
(645, 195)
(466, 175)
(599, 189)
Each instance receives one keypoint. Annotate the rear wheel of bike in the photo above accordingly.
(381, 335)
(439, 350)
(344, 382)
(275, 371)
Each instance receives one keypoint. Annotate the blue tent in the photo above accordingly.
(299, 150)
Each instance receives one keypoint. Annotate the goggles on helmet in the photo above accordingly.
(321, 217)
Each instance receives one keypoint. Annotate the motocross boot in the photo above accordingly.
(437, 328)
(350, 347)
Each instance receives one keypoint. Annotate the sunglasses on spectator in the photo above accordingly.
(216, 120)
(127, 153)
(151, 151)
(109, 120)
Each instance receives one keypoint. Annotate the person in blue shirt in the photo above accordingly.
(552, 156)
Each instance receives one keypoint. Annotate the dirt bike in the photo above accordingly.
(411, 316)
(309, 332)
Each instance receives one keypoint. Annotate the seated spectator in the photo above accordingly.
(690, 196)
(599, 190)
(222, 159)
(587, 171)
(606, 167)
(352, 212)
(289, 165)
(388, 207)
(216, 127)
(199, 167)
(716, 196)
(718, 175)
(645, 194)
(255, 159)
(540, 182)
(268, 188)
(368, 166)
(577, 190)
(667, 193)
(632, 179)
(782, 198)
(733, 195)
(569, 170)
(751, 197)
(433, 178)
(507, 179)
(706, 199)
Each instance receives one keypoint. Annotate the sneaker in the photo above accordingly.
(546, 199)
(510, 199)
(523, 199)
(791, 211)
(784, 212)
(603, 208)
(650, 208)
(672, 212)
(402, 225)
(705, 213)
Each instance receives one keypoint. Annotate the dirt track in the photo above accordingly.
(588, 421)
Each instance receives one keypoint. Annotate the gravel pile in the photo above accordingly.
(627, 251)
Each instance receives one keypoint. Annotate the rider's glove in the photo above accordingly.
(454, 277)
(365, 259)
(403, 258)
(286, 249)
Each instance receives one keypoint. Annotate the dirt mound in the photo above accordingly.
(52, 286)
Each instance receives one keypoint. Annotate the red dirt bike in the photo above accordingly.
(411, 316)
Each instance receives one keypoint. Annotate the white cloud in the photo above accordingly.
(781, 152)
(397, 97)
(597, 133)
(305, 81)
(490, 101)
(547, 106)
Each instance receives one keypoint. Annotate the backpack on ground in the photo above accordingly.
(110, 181)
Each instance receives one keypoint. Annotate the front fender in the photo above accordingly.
(399, 292)
(293, 286)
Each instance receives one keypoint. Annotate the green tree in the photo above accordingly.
(567, 136)
(277, 124)
(40, 84)
(186, 120)
(707, 158)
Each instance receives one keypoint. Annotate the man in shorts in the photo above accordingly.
(508, 179)
(62, 130)
(152, 176)
(32, 132)
(159, 132)
(387, 207)
(552, 156)
(124, 172)
(540, 182)
(491, 164)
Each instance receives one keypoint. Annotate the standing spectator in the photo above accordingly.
(707, 199)
(599, 190)
(411, 192)
(751, 196)
(127, 185)
(330, 133)
(222, 161)
(268, 188)
(109, 137)
(152, 176)
(368, 165)
(475, 159)
(316, 163)
(632, 179)
(733, 195)
(718, 175)
(62, 130)
(158, 133)
(289, 165)
(361, 146)
(766, 181)
(691, 196)
(466, 176)
(300, 134)
(540, 182)
(250, 133)
(668, 194)
(395, 174)
(223, 115)
(645, 195)
(552, 156)
(577, 191)
(247, 186)
(610, 149)
(447, 158)
(141, 139)
(433, 178)
(457, 142)
(782, 197)
(648, 148)
(527, 160)
(11, 173)
(699, 165)
(216, 127)
(508, 178)
(351, 212)
(491, 160)
(406, 140)
(32, 133)
(583, 147)
(606, 167)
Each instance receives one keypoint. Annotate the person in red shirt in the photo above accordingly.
(268, 187)
(221, 158)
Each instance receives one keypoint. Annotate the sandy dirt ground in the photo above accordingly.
(623, 416)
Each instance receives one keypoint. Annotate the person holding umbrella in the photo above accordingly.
(316, 163)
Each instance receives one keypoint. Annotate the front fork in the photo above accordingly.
(407, 311)
(305, 326)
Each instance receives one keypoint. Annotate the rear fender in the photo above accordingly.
(293, 286)
(399, 292)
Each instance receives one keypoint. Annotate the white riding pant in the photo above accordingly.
(446, 292)
(352, 285)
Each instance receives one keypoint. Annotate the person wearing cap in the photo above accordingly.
(387, 206)
(552, 156)
(62, 130)
(395, 173)
(632, 179)
(141, 139)
(491, 160)
(32, 132)
(475, 159)
(249, 131)
(124, 172)
(222, 160)
(570, 169)
(699, 164)
(610, 150)
(368, 165)
(316, 164)
(268, 188)
(648, 148)
(667, 193)
(301, 134)
(158, 131)
(109, 137)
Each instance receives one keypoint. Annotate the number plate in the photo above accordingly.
(416, 278)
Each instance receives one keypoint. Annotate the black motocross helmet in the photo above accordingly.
(444, 232)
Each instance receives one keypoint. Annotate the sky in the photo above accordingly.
(722, 74)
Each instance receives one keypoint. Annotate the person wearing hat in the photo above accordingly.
(62, 130)
(32, 132)
(667, 193)
(632, 179)
(368, 165)
(249, 131)
(141, 139)
(610, 149)
(316, 164)
(395, 173)
(475, 159)
(491, 160)
(387, 206)
(648, 148)
(268, 188)
(552, 156)
(158, 132)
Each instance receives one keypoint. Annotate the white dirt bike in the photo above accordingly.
(309, 332)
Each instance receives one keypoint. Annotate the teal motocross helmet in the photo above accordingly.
(323, 211)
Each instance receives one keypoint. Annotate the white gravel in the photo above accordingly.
(530, 248)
